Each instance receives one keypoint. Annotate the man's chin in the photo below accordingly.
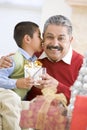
(53, 58)
(55, 54)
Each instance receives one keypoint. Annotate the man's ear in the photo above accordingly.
(71, 38)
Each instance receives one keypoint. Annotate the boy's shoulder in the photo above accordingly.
(18, 58)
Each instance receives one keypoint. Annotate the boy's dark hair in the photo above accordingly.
(23, 28)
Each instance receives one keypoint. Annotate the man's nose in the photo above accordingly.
(56, 41)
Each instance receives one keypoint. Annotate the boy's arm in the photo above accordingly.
(8, 83)
(5, 81)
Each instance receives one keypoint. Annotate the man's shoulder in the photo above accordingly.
(77, 58)
(77, 55)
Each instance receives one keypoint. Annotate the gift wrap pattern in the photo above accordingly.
(46, 112)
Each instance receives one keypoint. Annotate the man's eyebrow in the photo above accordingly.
(62, 35)
(49, 34)
(52, 34)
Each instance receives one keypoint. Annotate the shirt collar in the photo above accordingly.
(26, 55)
(67, 58)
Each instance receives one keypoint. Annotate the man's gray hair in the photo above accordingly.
(59, 20)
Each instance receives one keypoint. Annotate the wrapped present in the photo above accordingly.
(46, 112)
(30, 68)
(33, 69)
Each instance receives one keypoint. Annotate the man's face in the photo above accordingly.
(56, 42)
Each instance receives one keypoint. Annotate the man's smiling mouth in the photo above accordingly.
(54, 48)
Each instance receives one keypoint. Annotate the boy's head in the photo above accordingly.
(27, 34)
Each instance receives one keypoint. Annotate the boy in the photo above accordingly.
(27, 37)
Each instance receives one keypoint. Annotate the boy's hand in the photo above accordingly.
(25, 83)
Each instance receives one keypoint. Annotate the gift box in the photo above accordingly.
(30, 68)
(34, 70)
(79, 115)
(46, 112)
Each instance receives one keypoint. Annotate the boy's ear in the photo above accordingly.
(27, 38)
(43, 35)
(42, 38)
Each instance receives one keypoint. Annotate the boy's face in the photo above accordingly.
(36, 41)
(56, 42)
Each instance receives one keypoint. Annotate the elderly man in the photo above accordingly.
(62, 63)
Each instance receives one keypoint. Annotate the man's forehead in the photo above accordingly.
(56, 29)
(52, 34)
